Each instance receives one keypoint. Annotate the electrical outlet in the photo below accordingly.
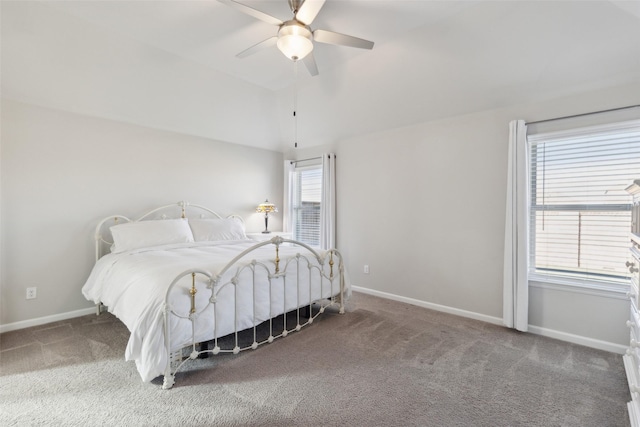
(31, 293)
(366, 269)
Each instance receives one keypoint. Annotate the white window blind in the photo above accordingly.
(580, 213)
(307, 196)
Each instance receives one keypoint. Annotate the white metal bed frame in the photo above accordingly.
(214, 284)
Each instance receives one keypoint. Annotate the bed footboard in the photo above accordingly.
(248, 293)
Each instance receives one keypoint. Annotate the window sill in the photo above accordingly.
(602, 289)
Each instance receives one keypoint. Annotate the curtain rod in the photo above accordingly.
(293, 162)
(584, 114)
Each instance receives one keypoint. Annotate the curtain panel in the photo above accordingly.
(287, 200)
(516, 240)
(328, 204)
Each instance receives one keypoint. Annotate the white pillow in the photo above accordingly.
(217, 229)
(143, 234)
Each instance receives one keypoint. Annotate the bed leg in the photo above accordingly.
(98, 309)
(168, 382)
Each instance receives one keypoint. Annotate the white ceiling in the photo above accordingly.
(171, 64)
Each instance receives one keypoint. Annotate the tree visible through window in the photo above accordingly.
(580, 213)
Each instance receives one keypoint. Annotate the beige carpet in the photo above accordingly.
(383, 363)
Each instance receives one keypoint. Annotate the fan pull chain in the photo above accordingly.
(295, 102)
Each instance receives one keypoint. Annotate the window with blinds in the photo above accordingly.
(307, 195)
(580, 213)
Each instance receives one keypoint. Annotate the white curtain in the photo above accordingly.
(516, 239)
(328, 202)
(287, 202)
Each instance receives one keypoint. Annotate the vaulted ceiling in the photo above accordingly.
(171, 65)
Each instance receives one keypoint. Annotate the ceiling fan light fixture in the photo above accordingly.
(295, 41)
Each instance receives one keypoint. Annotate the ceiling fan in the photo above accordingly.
(295, 38)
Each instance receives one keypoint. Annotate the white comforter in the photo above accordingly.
(133, 286)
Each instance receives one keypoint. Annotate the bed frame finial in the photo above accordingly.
(183, 205)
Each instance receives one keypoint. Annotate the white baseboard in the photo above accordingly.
(425, 304)
(46, 319)
(579, 339)
(551, 333)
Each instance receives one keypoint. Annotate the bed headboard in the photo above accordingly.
(181, 209)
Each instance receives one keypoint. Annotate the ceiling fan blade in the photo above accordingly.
(310, 63)
(329, 37)
(309, 10)
(252, 12)
(271, 41)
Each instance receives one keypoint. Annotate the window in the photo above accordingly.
(307, 194)
(580, 213)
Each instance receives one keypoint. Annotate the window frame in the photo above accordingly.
(613, 286)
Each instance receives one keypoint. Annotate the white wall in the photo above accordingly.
(424, 207)
(437, 230)
(63, 172)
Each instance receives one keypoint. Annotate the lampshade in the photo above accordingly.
(295, 40)
(266, 208)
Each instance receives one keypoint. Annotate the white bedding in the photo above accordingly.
(133, 284)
